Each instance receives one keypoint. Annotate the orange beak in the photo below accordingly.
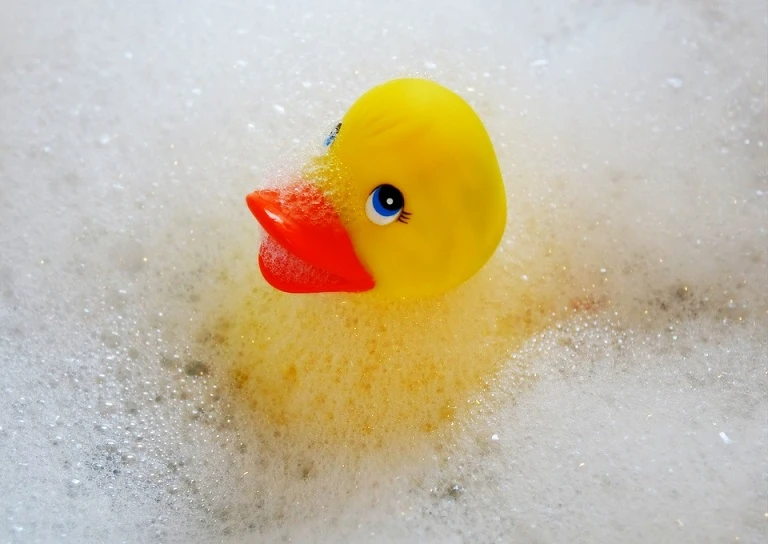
(306, 248)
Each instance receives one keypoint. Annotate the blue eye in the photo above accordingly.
(385, 205)
(332, 136)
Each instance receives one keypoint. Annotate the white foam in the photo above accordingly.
(633, 142)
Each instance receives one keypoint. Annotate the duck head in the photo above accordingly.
(407, 201)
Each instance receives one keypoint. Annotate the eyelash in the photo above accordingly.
(404, 217)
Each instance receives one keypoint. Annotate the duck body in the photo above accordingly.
(407, 201)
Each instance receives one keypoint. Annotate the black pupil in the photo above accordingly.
(390, 198)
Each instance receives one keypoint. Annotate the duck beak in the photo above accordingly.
(306, 248)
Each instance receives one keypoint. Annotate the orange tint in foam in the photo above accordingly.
(359, 372)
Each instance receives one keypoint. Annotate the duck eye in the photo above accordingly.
(385, 205)
(332, 136)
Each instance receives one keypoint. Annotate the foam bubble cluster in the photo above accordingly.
(603, 378)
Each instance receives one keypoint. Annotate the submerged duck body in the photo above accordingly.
(408, 200)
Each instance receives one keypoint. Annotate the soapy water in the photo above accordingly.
(617, 338)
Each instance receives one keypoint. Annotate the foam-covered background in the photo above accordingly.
(633, 138)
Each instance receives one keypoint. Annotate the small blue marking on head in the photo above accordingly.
(332, 136)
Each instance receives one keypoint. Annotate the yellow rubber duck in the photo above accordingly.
(408, 200)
